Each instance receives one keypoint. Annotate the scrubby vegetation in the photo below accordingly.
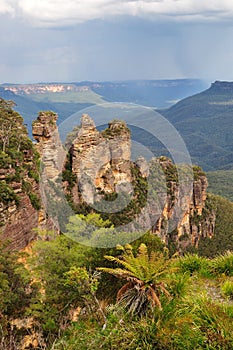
(223, 233)
(18, 158)
(129, 297)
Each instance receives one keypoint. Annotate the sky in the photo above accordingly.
(105, 40)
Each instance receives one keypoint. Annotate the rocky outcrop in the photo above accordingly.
(52, 155)
(19, 211)
(18, 222)
(101, 160)
(222, 86)
(195, 219)
(21, 207)
(101, 163)
(99, 167)
(49, 145)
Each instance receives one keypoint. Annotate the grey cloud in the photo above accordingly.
(123, 48)
(55, 13)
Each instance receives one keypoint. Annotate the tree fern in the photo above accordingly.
(143, 273)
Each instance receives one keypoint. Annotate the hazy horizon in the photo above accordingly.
(105, 81)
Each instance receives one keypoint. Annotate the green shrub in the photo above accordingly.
(216, 324)
(198, 172)
(178, 284)
(35, 200)
(193, 263)
(7, 195)
(227, 289)
(181, 325)
(34, 175)
(222, 239)
(223, 264)
(26, 186)
(68, 176)
(5, 161)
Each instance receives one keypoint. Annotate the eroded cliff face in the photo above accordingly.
(98, 167)
(101, 163)
(18, 221)
(189, 208)
(101, 160)
(49, 145)
(20, 207)
(52, 157)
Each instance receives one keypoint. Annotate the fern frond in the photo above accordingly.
(125, 274)
(142, 250)
(120, 248)
(123, 262)
(128, 247)
(129, 251)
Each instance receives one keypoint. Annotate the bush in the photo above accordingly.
(223, 264)
(178, 284)
(193, 263)
(7, 195)
(34, 175)
(227, 289)
(222, 239)
(35, 200)
(183, 325)
(5, 161)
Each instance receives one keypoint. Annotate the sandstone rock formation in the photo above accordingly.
(52, 155)
(20, 214)
(49, 145)
(18, 222)
(101, 160)
(21, 207)
(101, 163)
(194, 219)
(99, 166)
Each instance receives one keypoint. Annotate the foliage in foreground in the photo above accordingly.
(69, 305)
(144, 274)
(196, 317)
(183, 324)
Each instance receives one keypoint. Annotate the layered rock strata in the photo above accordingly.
(188, 208)
(49, 145)
(101, 160)
(99, 163)
(21, 213)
